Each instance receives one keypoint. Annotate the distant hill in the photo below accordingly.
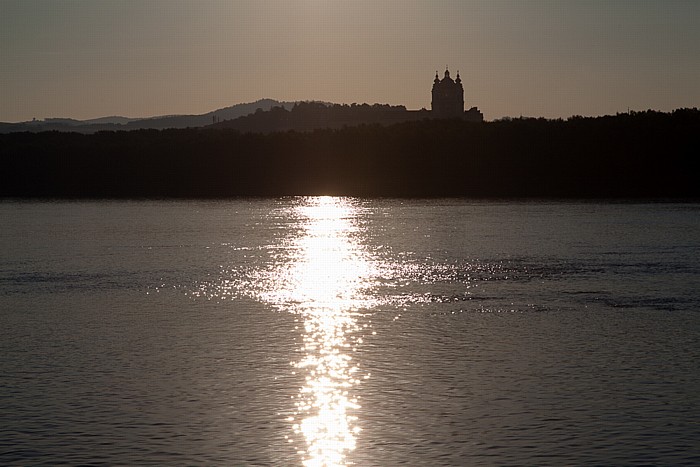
(192, 121)
(308, 116)
(107, 120)
(116, 123)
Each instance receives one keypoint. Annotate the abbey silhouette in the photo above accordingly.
(448, 96)
(448, 99)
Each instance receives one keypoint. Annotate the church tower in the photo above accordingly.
(448, 96)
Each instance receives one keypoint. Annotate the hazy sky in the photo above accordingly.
(85, 59)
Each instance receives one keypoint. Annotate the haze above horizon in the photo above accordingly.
(138, 58)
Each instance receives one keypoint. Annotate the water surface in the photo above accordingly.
(340, 331)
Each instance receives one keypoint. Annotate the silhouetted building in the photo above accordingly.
(448, 99)
(448, 96)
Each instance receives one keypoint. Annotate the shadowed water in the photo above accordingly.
(339, 331)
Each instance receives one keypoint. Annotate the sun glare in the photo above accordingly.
(324, 285)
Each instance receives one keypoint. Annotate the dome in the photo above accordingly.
(447, 76)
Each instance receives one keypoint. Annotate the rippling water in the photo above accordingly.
(340, 331)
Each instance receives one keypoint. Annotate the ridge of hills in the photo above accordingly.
(116, 123)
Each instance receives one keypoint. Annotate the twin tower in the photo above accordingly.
(448, 99)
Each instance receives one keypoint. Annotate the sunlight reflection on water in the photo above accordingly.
(323, 282)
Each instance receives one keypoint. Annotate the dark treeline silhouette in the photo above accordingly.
(637, 155)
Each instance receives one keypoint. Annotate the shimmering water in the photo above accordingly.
(338, 331)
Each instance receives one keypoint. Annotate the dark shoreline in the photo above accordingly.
(639, 156)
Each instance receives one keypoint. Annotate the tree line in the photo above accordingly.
(634, 155)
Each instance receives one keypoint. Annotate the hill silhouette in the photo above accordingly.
(637, 155)
(307, 116)
(117, 123)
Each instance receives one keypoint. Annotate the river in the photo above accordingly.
(342, 331)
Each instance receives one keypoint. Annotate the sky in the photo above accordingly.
(138, 58)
